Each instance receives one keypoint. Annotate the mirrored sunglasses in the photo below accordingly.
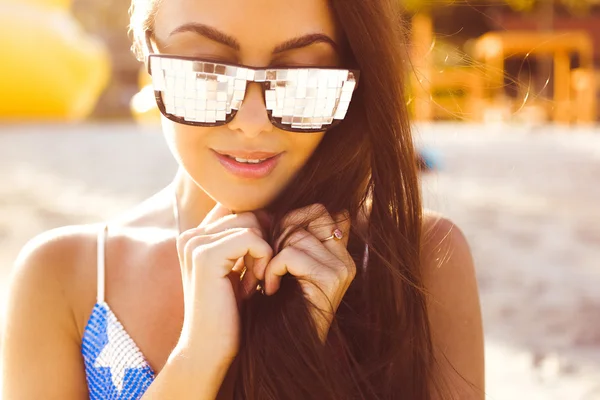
(197, 92)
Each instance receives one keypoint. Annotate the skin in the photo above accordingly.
(249, 24)
(54, 286)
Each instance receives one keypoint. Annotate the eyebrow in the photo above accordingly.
(229, 41)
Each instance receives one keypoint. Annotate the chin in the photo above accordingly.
(249, 195)
(241, 202)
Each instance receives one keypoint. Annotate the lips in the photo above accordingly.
(248, 164)
(247, 155)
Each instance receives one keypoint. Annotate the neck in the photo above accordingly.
(193, 202)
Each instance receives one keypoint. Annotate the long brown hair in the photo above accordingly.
(379, 345)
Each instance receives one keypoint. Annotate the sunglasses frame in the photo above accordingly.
(264, 84)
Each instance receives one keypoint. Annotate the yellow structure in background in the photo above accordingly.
(55, 4)
(468, 93)
(422, 40)
(50, 69)
(574, 89)
(441, 92)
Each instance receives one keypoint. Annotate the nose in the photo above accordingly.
(252, 118)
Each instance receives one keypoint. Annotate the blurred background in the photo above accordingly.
(504, 98)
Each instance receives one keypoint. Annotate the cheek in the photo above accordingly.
(191, 148)
(185, 142)
(303, 146)
(189, 145)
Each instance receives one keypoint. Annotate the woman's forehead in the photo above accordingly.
(254, 24)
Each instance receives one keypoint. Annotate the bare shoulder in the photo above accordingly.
(449, 277)
(41, 337)
(51, 245)
(56, 251)
(57, 264)
(442, 241)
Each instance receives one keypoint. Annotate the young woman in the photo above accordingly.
(290, 258)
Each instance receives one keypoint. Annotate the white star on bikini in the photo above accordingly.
(119, 342)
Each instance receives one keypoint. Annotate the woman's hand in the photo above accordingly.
(211, 257)
(325, 268)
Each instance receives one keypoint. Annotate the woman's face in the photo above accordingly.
(249, 33)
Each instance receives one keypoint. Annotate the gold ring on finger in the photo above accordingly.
(335, 235)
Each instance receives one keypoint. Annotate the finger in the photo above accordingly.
(218, 211)
(221, 255)
(335, 258)
(193, 238)
(318, 221)
(324, 226)
(294, 261)
(299, 218)
(234, 279)
(231, 221)
(302, 216)
(306, 240)
(193, 242)
(239, 266)
(183, 241)
(343, 222)
(249, 282)
(283, 239)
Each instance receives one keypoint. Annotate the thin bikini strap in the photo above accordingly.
(101, 264)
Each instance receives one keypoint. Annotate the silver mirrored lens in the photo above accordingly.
(198, 91)
(309, 98)
(301, 99)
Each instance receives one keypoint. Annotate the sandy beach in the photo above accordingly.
(526, 197)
